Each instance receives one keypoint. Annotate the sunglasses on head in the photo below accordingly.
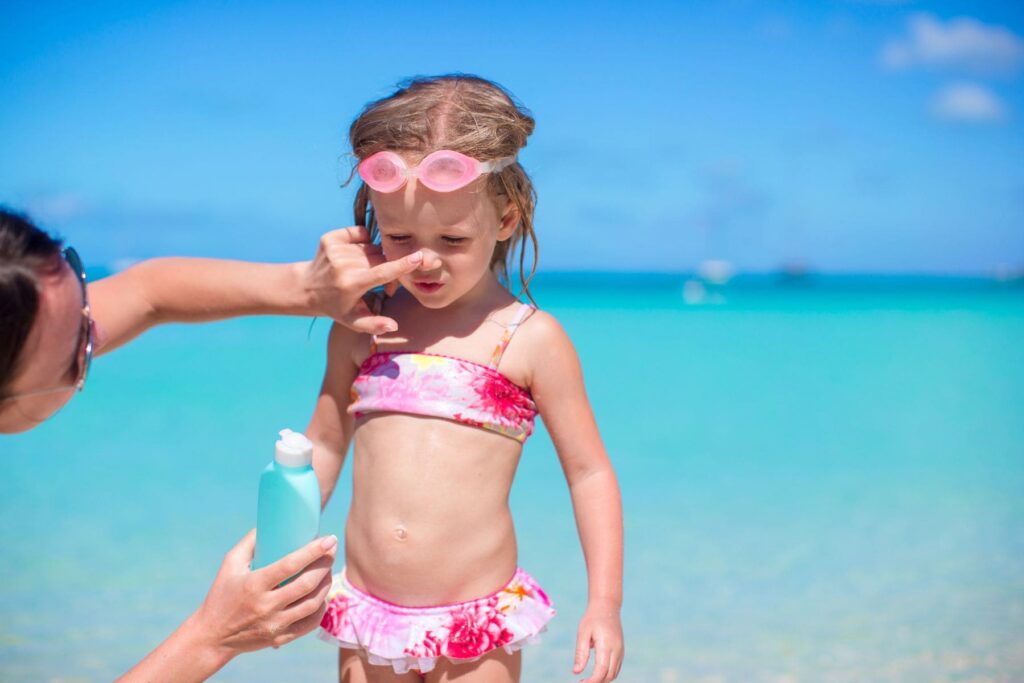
(83, 350)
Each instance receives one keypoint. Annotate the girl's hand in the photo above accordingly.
(600, 629)
(248, 610)
(345, 267)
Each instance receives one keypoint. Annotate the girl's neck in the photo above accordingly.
(484, 297)
(459, 318)
(434, 328)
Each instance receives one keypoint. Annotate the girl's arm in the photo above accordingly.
(557, 385)
(330, 428)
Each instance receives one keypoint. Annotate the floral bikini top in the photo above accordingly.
(435, 385)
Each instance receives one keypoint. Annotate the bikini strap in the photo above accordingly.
(510, 329)
(376, 304)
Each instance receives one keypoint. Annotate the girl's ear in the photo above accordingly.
(509, 220)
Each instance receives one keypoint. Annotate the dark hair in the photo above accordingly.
(26, 254)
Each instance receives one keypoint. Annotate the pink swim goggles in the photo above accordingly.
(441, 171)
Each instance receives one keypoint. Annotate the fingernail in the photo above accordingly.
(329, 542)
(388, 327)
(416, 258)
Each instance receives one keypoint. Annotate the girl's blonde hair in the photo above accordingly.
(466, 114)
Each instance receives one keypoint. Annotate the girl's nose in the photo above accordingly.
(431, 261)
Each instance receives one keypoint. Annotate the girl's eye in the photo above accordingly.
(454, 241)
(398, 239)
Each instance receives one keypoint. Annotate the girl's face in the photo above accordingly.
(457, 232)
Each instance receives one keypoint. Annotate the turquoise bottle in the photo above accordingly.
(288, 515)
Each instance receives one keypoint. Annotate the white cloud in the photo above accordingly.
(968, 102)
(960, 43)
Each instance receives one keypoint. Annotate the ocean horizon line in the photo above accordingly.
(739, 278)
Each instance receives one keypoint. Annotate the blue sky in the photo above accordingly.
(850, 136)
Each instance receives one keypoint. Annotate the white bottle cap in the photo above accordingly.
(293, 449)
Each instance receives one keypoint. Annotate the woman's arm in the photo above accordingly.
(166, 290)
(557, 385)
(195, 289)
(244, 611)
(330, 428)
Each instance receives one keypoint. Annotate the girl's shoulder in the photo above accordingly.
(539, 326)
(539, 339)
(346, 344)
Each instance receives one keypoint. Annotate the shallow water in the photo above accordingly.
(822, 483)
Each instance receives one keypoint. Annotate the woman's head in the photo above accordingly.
(41, 324)
(490, 219)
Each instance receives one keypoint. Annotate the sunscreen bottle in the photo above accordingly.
(288, 515)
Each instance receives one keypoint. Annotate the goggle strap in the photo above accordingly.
(497, 165)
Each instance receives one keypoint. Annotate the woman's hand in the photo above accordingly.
(244, 610)
(345, 267)
(600, 629)
(249, 610)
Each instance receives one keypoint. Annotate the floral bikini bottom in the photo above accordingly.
(412, 638)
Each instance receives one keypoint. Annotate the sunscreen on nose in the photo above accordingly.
(288, 512)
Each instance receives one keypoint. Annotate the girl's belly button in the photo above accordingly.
(400, 533)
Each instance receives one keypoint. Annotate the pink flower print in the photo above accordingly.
(476, 630)
(497, 396)
(387, 385)
(541, 595)
(459, 417)
(380, 364)
(430, 646)
(335, 615)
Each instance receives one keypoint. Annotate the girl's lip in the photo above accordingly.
(427, 286)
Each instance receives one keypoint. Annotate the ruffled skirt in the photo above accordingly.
(412, 638)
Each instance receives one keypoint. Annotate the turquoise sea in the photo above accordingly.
(823, 482)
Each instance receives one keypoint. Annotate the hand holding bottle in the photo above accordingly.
(248, 610)
(245, 610)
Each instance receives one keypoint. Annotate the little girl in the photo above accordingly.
(438, 413)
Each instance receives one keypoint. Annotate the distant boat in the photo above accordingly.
(716, 271)
(1007, 273)
(694, 292)
(794, 272)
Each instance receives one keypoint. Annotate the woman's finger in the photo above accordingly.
(431, 261)
(240, 556)
(300, 627)
(305, 583)
(354, 234)
(392, 270)
(372, 324)
(373, 253)
(274, 574)
(309, 603)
